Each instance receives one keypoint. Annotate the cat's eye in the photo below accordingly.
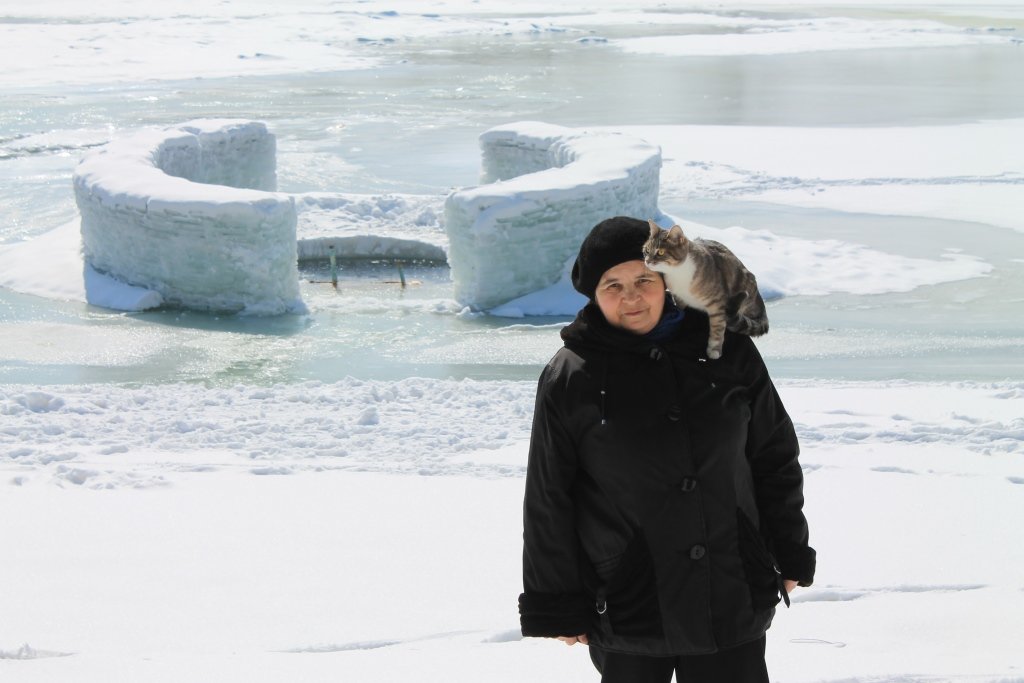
(661, 252)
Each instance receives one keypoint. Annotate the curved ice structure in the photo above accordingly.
(190, 212)
(547, 187)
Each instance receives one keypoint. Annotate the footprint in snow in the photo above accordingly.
(370, 644)
(26, 651)
(895, 470)
(816, 641)
(504, 637)
(344, 647)
(846, 595)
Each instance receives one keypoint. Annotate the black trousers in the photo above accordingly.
(743, 664)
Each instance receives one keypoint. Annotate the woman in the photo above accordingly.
(663, 511)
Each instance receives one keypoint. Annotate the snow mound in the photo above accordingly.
(190, 212)
(545, 187)
(26, 651)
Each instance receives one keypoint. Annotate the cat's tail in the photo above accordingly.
(739, 321)
(752, 327)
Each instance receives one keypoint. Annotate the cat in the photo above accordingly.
(705, 275)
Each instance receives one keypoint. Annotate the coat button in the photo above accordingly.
(697, 552)
(656, 354)
(687, 485)
(674, 413)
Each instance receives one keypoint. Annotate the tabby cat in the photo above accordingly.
(705, 275)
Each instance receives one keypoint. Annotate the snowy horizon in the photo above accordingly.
(96, 43)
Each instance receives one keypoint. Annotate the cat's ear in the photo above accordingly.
(676, 233)
(655, 229)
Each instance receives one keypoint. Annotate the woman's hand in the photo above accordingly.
(572, 640)
(790, 585)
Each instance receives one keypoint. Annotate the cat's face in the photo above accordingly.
(665, 249)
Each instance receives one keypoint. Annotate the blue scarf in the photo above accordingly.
(671, 319)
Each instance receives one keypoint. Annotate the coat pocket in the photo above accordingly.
(762, 570)
(628, 602)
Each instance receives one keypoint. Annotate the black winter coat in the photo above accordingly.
(664, 498)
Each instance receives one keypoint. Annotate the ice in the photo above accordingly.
(370, 226)
(108, 292)
(190, 212)
(776, 37)
(545, 187)
(98, 42)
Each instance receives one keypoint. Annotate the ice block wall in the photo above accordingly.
(546, 187)
(191, 212)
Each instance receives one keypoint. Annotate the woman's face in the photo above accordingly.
(631, 296)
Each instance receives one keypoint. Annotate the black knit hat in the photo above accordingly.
(610, 242)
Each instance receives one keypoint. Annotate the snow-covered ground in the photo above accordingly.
(368, 530)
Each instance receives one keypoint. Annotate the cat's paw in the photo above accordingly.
(714, 353)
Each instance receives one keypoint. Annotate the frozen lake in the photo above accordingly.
(407, 121)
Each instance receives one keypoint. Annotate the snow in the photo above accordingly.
(960, 172)
(254, 532)
(545, 187)
(189, 212)
(370, 226)
(51, 266)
